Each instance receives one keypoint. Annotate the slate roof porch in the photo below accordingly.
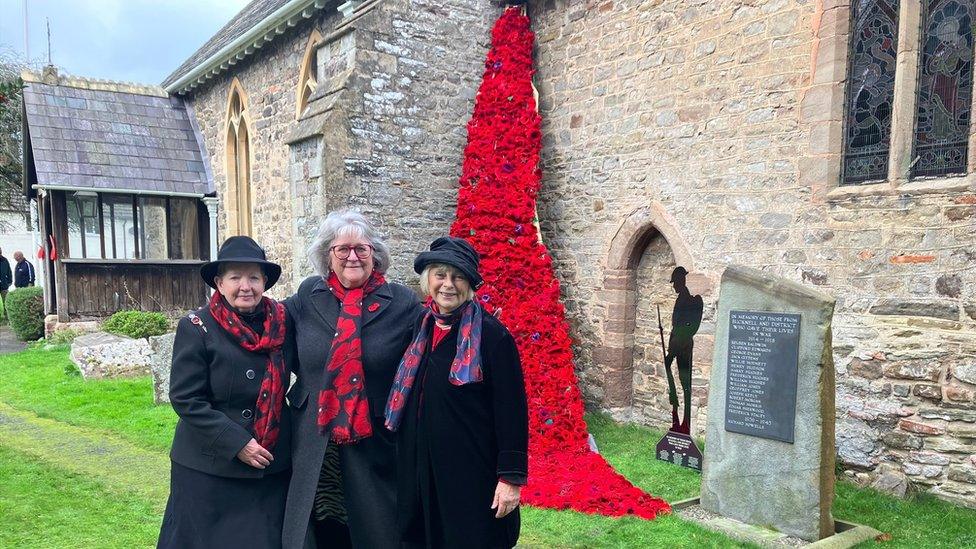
(105, 160)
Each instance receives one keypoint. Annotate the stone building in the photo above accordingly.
(825, 146)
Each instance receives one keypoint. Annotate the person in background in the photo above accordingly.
(6, 277)
(23, 272)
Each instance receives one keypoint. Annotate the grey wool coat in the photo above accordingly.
(368, 466)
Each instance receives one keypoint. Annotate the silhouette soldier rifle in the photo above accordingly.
(685, 321)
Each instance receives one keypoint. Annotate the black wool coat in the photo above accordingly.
(213, 387)
(369, 466)
(455, 442)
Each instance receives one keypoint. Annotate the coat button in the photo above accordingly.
(246, 414)
(249, 374)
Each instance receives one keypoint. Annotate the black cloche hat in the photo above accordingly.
(455, 252)
(240, 249)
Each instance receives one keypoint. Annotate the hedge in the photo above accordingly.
(25, 311)
(137, 324)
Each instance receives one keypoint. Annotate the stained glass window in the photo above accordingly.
(945, 88)
(871, 90)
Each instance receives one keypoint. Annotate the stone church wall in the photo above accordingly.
(392, 143)
(704, 122)
(675, 132)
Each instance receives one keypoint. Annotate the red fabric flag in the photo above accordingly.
(54, 247)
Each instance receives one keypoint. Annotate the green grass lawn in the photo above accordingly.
(46, 383)
(45, 506)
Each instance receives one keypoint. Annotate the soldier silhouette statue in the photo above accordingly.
(685, 321)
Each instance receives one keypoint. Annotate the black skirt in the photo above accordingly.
(207, 511)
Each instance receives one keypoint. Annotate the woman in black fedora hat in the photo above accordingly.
(458, 404)
(231, 451)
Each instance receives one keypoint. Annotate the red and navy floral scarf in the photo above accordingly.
(271, 397)
(343, 406)
(466, 367)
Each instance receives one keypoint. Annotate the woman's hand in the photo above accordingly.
(256, 456)
(506, 498)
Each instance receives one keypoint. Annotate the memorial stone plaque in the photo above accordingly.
(770, 371)
(761, 375)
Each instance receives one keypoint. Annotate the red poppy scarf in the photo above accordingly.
(466, 367)
(343, 406)
(271, 396)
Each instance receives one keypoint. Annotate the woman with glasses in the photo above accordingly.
(351, 328)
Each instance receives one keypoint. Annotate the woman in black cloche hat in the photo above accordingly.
(458, 405)
(231, 452)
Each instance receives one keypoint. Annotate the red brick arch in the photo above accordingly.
(615, 357)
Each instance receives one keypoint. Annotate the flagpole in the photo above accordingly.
(26, 35)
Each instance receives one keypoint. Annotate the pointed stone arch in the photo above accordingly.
(238, 162)
(615, 357)
(308, 73)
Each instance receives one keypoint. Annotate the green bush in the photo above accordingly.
(25, 311)
(137, 324)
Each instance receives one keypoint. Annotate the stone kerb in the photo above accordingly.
(762, 481)
(101, 355)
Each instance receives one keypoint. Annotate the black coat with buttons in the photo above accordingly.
(213, 387)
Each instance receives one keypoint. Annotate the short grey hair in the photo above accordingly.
(425, 285)
(346, 222)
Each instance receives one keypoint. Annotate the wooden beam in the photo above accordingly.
(59, 228)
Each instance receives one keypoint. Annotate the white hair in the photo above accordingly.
(451, 269)
(346, 222)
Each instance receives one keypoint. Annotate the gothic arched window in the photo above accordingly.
(871, 90)
(307, 81)
(238, 200)
(945, 88)
(915, 125)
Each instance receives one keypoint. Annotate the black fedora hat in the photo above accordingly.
(240, 249)
(455, 252)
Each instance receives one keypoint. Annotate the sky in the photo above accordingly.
(129, 40)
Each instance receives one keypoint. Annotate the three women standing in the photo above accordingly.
(450, 477)
(231, 451)
(352, 327)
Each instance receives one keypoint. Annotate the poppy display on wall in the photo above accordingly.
(496, 212)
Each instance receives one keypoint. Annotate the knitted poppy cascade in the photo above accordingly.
(500, 179)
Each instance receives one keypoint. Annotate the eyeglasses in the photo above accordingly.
(362, 251)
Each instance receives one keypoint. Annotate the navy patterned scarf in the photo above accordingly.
(466, 367)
